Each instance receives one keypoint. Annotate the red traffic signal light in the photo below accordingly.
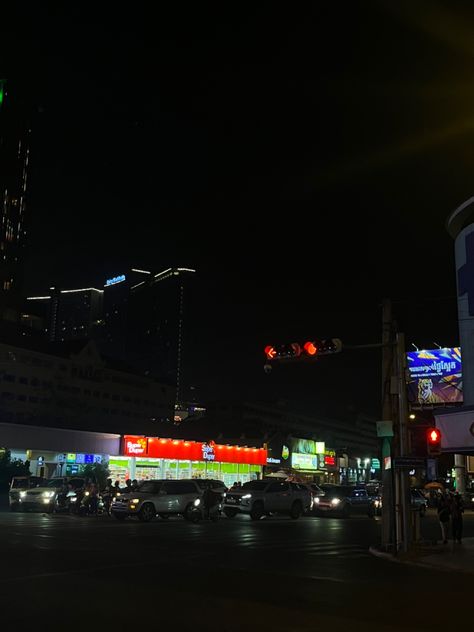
(310, 348)
(433, 441)
(283, 352)
(322, 346)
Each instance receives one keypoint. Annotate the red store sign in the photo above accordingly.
(157, 448)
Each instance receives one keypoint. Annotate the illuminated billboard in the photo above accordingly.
(435, 377)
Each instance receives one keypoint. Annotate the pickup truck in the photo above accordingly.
(260, 498)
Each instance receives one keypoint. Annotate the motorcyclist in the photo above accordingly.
(107, 494)
(211, 500)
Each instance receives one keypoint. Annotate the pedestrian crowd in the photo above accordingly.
(450, 511)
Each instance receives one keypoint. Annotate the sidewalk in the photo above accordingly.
(446, 557)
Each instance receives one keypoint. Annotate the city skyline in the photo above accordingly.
(302, 186)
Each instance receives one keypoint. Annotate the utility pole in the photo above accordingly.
(403, 492)
(388, 505)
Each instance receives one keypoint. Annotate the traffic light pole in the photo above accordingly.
(402, 499)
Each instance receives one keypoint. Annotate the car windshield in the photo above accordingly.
(336, 491)
(255, 485)
(19, 482)
(55, 482)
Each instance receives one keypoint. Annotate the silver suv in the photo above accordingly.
(259, 498)
(162, 497)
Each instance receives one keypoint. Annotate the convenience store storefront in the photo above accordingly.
(159, 458)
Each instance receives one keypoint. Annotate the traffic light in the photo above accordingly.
(322, 346)
(433, 442)
(310, 349)
(283, 352)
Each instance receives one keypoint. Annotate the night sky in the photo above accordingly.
(302, 159)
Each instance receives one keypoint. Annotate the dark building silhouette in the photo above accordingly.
(14, 156)
(137, 319)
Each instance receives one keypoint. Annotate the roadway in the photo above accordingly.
(276, 574)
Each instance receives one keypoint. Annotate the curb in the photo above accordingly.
(437, 567)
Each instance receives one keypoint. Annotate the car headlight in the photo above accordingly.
(335, 501)
(246, 496)
(72, 499)
(316, 500)
(377, 503)
(472, 499)
(135, 500)
(48, 494)
(23, 494)
(224, 495)
(197, 502)
(86, 493)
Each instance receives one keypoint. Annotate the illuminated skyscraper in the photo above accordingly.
(14, 155)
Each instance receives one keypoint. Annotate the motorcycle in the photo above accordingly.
(90, 505)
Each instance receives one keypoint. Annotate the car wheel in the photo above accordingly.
(346, 512)
(147, 513)
(257, 511)
(296, 510)
(164, 516)
(191, 514)
(230, 513)
(119, 516)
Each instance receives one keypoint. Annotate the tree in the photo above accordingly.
(98, 472)
(11, 467)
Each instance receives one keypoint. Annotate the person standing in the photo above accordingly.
(444, 513)
(457, 510)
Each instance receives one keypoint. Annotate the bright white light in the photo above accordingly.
(335, 501)
(37, 298)
(161, 273)
(48, 494)
(23, 494)
(186, 270)
(245, 496)
(316, 500)
(84, 289)
(136, 500)
(197, 502)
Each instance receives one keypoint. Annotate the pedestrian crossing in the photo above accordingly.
(253, 543)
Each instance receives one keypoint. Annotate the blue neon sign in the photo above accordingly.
(114, 280)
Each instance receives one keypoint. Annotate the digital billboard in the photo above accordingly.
(435, 377)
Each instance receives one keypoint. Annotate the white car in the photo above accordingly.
(46, 497)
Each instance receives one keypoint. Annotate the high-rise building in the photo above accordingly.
(66, 314)
(136, 319)
(143, 322)
(14, 156)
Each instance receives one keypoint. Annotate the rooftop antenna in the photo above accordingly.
(414, 345)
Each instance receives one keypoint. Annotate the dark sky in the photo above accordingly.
(302, 159)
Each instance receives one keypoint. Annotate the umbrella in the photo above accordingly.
(434, 485)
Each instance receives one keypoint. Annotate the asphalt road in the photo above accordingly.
(276, 574)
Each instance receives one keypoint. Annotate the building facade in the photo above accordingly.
(14, 158)
(71, 386)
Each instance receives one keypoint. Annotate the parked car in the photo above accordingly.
(344, 501)
(315, 492)
(162, 497)
(259, 498)
(419, 502)
(46, 496)
(19, 484)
